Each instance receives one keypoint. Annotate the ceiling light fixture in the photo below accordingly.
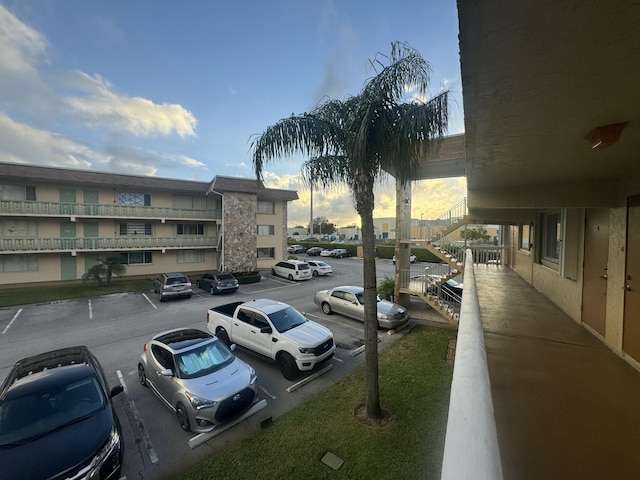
(601, 137)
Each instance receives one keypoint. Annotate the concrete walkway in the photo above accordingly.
(566, 407)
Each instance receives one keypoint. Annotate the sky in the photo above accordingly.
(179, 89)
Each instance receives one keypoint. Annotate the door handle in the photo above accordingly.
(604, 276)
(627, 288)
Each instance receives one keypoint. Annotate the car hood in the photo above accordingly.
(308, 334)
(389, 308)
(56, 452)
(221, 384)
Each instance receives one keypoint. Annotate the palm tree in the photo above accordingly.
(353, 142)
(106, 267)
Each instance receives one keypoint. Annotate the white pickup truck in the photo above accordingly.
(275, 330)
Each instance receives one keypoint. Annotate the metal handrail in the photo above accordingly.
(98, 210)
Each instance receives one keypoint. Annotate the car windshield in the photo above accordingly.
(286, 319)
(204, 360)
(34, 415)
(225, 277)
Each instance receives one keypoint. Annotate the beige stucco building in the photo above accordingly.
(55, 223)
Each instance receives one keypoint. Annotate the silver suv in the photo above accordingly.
(198, 377)
(171, 285)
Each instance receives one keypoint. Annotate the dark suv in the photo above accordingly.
(216, 282)
(171, 285)
(57, 418)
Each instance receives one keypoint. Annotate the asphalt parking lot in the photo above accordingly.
(116, 327)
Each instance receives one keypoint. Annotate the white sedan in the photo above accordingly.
(325, 253)
(349, 301)
(318, 267)
(412, 259)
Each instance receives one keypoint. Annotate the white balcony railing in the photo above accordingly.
(59, 209)
(57, 244)
(471, 448)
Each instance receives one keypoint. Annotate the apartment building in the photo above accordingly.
(55, 223)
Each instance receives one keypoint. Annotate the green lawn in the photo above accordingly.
(415, 381)
(40, 294)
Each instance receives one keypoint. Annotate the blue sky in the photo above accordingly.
(179, 89)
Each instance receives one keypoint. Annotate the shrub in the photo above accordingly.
(247, 277)
(386, 288)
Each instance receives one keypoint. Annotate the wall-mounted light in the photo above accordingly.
(601, 137)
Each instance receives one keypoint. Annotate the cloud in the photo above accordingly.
(104, 108)
(21, 47)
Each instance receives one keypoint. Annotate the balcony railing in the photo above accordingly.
(51, 245)
(471, 445)
(59, 209)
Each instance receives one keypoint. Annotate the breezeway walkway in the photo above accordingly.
(566, 407)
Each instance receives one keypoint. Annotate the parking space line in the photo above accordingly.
(308, 379)
(149, 300)
(6, 329)
(90, 310)
(153, 456)
(342, 324)
(273, 397)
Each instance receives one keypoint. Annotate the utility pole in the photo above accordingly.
(311, 218)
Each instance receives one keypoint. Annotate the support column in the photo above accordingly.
(403, 244)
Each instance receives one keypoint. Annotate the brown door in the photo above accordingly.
(594, 283)
(631, 332)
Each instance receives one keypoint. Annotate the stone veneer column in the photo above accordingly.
(240, 232)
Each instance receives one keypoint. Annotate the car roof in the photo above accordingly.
(48, 370)
(349, 288)
(182, 338)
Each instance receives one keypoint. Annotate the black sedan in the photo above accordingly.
(57, 419)
(314, 251)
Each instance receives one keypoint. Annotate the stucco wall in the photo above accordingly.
(615, 282)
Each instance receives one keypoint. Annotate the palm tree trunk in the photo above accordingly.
(365, 205)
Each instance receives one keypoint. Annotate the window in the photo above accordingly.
(18, 228)
(189, 202)
(190, 256)
(30, 193)
(135, 229)
(525, 237)
(17, 192)
(265, 206)
(134, 199)
(551, 238)
(136, 258)
(266, 252)
(190, 229)
(18, 263)
(266, 230)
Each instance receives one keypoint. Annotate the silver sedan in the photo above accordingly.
(349, 301)
(198, 377)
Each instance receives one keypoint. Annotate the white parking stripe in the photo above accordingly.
(149, 300)
(6, 329)
(145, 437)
(90, 310)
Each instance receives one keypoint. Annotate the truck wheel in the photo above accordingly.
(183, 417)
(326, 308)
(288, 366)
(223, 336)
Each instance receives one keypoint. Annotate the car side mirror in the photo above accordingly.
(116, 390)
(266, 329)
(167, 372)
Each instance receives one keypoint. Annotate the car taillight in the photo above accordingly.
(145, 347)
(207, 317)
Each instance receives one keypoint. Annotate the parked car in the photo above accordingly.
(412, 259)
(318, 267)
(314, 251)
(172, 285)
(326, 252)
(217, 282)
(340, 253)
(292, 269)
(296, 249)
(198, 377)
(310, 239)
(57, 418)
(452, 290)
(349, 301)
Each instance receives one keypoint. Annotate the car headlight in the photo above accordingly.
(253, 375)
(199, 402)
(384, 316)
(112, 445)
(306, 349)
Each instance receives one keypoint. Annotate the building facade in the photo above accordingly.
(56, 223)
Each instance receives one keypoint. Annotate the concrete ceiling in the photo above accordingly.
(537, 77)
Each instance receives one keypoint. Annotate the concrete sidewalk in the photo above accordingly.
(566, 407)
